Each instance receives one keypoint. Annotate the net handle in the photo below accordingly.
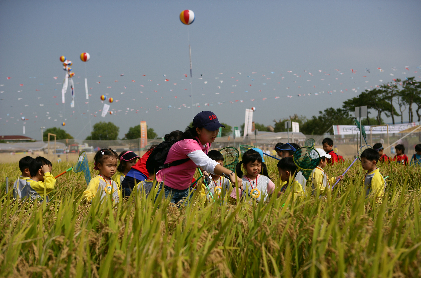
(64, 172)
(345, 172)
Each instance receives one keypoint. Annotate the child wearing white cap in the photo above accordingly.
(321, 183)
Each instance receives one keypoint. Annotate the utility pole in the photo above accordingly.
(42, 134)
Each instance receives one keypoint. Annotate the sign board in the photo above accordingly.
(363, 112)
(219, 132)
(287, 124)
(236, 132)
(143, 134)
(295, 127)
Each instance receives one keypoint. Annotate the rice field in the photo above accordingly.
(343, 235)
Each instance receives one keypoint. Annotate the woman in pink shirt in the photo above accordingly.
(194, 145)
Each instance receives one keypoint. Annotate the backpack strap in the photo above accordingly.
(175, 163)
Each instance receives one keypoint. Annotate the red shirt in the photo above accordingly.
(141, 164)
(403, 159)
(384, 158)
(333, 157)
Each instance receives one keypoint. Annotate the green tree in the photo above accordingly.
(323, 123)
(134, 133)
(60, 134)
(280, 125)
(259, 127)
(410, 94)
(373, 99)
(104, 131)
(225, 131)
(391, 91)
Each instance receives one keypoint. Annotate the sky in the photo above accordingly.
(281, 57)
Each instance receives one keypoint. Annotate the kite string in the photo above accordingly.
(89, 108)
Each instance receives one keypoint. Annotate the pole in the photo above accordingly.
(7, 185)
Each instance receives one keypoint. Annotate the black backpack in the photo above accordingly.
(158, 156)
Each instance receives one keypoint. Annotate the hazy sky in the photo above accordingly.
(244, 54)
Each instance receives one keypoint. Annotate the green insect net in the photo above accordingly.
(231, 156)
(244, 148)
(362, 130)
(306, 158)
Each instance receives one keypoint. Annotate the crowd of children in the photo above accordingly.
(177, 158)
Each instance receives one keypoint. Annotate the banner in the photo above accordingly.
(248, 122)
(143, 134)
(105, 109)
(352, 129)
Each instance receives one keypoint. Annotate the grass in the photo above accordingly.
(343, 235)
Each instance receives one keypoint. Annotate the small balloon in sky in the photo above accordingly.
(62, 58)
(63, 124)
(84, 57)
(253, 108)
(187, 17)
(23, 118)
(110, 100)
(103, 97)
(71, 74)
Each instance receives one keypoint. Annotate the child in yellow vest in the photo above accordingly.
(287, 170)
(103, 185)
(321, 183)
(41, 182)
(374, 182)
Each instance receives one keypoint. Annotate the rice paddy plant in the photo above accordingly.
(343, 234)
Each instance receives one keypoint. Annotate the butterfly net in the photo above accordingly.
(82, 165)
(306, 158)
(231, 155)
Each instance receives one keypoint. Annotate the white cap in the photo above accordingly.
(323, 153)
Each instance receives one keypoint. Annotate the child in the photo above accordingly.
(139, 173)
(321, 183)
(328, 148)
(105, 160)
(379, 148)
(21, 181)
(287, 169)
(127, 160)
(287, 149)
(373, 180)
(217, 185)
(416, 158)
(400, 155)
(277, 149)
(256, 185)
(41, 182)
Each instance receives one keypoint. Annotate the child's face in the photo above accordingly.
(284, 153)
(206, 136)
(284, 175)
(327, 147)
(323, 163)
(129, 164)
(368, 165)
(381, 152)
(253, 168)
(418, 152)
(399, 152)
(108, 167)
